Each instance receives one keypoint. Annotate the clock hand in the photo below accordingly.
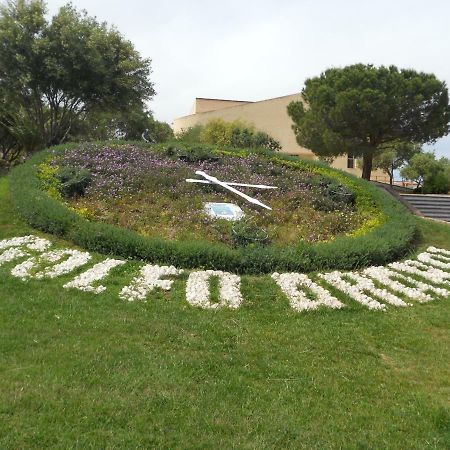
(231, 189)
(258, 186)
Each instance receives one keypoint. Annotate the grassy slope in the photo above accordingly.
(86, 371)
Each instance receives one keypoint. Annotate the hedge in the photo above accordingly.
(392, 236)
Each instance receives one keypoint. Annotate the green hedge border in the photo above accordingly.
(375, 245)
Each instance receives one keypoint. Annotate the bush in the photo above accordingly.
(236, 134)
(191, 135)
(387, 235)
(73, 182)
(438, 183)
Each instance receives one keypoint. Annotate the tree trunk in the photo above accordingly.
(367, 164)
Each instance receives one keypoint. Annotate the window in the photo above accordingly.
(350, 161)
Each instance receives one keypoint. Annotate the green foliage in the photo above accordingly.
(360, 109)
(19, 135)
(431, 175)
(58, 71)
(73, 182)
(218, 132)
(394, 156)
(247, 232)
(190, 135)
(392, 236)
(47, 174)
(236, 134)
(263, 140)
(333, 196)
(102, 124)
(438, 183)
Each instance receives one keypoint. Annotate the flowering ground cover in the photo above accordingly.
(144, 190)
(89, 369)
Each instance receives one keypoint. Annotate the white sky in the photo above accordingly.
(253, 50)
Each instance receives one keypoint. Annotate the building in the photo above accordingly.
(269, 116)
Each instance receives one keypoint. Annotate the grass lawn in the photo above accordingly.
(80, 370)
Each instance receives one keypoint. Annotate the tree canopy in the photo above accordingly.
(431, 175)
(58, 70)
(394, 156)
(360, 109)
(105, 124)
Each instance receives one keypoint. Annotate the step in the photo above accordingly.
(438, 216)
(427, 201)
(436, 207)
(444, 201)
(426, 195)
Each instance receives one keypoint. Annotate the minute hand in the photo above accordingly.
(231, 189)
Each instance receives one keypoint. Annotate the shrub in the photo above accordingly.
(261, 139)
(247, 232)
(73, 182)
(438, 183)
(388, 233)
(235, 134)
(190, 135)
(218, 132)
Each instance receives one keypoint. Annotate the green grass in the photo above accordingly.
(85, 371)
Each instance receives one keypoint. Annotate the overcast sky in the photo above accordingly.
(254, 50)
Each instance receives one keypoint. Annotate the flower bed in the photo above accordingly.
(145, 191)
(373, 287)
(387, 233)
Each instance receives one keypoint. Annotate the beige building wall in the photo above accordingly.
(269, 116)
(202, 105)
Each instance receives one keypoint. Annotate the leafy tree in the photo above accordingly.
(61, 70)
(18, 134)
(161, 131)
(9, 144)
(395, 156)
(439, 181)
(430, 174)
(360, 109)
(107, 124)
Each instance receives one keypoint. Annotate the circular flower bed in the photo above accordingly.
(108, 182)
(145, 191)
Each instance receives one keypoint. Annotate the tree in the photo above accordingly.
(106, 124)
(59, 71)
(360, 109)
(18, 135)
(395, 156)
(428, 172)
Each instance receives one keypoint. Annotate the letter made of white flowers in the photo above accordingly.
(149, 279)
(425, 271)
(85, 281)
(399, 283)
(15, 248)
(361, 289)
(439, 251)
(28, 269)
(296, 285)
(198, 289)
(434, 258)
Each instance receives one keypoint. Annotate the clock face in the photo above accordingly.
(145, 190)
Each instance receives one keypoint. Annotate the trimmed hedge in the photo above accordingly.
(390, 236)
